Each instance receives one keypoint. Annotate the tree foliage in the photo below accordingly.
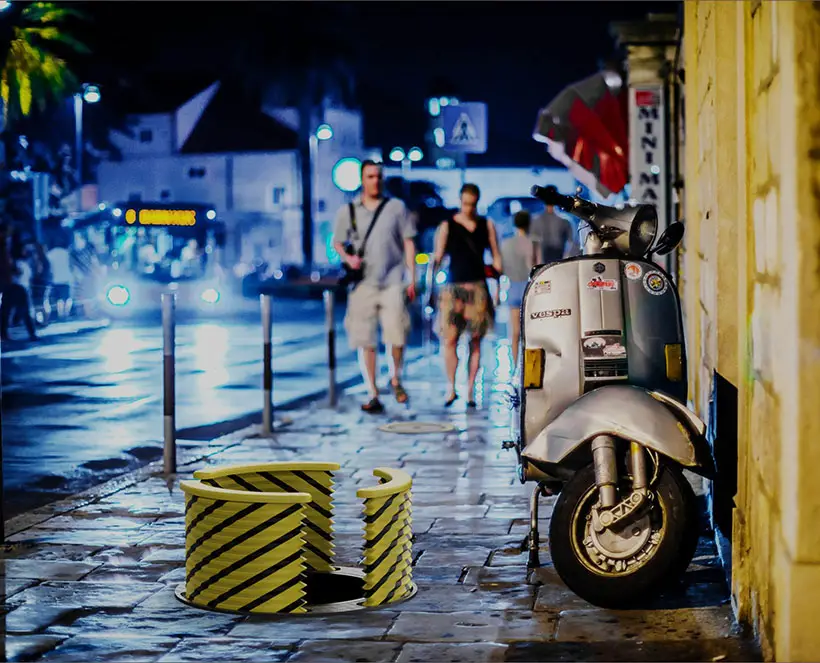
(35, 42)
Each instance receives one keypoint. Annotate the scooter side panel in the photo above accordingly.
(653, 321)
(550, 319)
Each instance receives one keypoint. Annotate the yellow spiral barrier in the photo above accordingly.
(243, 551)
(388, 554)
(315, 479)
(254, 534)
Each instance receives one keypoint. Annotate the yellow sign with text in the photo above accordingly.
(161, 217)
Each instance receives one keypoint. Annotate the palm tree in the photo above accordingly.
(33, 41)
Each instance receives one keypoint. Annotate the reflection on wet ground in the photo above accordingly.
(79, 409)
(95, 580)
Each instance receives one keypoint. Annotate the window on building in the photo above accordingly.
(165, 194)
(196, 173)
(146, 136)
(278, 195)
(322, 205)
(134, 197)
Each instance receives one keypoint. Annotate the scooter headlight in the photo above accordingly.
(643, 230)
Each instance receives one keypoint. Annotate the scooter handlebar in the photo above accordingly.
(552, 197)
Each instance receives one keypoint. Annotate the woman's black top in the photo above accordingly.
(466, 250)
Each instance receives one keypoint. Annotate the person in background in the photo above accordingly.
(519, 255)
(40, 284)
(85, 269)
(60, 261)
(465, 304)
(14, 295)
(22, 273)
(389, 264)
(554, 234)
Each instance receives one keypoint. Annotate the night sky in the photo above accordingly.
(515, 56)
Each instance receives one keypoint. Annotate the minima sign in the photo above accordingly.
(648, 148)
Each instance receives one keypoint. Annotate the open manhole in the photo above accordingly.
(416, 427)
(341, 590)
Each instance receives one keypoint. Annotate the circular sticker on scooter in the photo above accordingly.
(633, 271)
(654, 283)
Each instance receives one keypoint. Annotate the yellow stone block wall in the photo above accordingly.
(750, 284)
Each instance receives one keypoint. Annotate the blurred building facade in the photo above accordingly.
(242, 161)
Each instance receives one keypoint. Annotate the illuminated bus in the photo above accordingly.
(149, 248)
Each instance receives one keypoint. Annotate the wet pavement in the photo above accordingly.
(79, 408)
(92, 577)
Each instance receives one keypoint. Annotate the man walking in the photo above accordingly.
(375, 234)
(554, 234)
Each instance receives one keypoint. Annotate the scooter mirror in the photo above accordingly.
(670, 238)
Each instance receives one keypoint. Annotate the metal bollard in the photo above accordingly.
(331, 344)
(427, 318)
(267, 364)
(169, 382)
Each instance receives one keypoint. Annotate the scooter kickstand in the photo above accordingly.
(533, 539)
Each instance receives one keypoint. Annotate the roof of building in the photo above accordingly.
(233, 121)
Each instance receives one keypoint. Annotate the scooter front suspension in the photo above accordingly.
(606, 470)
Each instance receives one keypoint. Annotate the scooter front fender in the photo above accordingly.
(632, 413)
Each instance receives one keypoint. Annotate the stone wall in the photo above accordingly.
(750, 277)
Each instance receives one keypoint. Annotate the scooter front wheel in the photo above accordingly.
(619, 567)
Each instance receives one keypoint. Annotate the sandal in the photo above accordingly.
(373, 406)
(399, 393)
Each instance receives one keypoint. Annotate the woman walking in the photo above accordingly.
(519, 253)
(464, 303)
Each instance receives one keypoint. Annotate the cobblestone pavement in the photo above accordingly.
(93, 577)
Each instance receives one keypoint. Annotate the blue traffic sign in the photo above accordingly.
(465, 127)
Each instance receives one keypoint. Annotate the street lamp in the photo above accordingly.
(323, 132)
(407, 159)
(4, 5)
(89, 94)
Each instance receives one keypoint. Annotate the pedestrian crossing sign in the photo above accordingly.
(465, 127)
(463, 131)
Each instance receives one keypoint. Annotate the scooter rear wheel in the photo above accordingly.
(647, 555)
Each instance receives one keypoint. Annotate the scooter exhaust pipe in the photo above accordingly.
(606, 470)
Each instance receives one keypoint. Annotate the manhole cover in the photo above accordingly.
(416, 427)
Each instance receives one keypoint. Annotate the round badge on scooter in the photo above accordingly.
(654, 283)
(633, 271)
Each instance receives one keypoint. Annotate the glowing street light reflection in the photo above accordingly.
(324, 132)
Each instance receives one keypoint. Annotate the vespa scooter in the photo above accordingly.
(601, 417)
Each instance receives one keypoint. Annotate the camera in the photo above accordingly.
(351, 276)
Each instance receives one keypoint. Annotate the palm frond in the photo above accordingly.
(24, 91)
(50, 12)
(32, 74)
(52, 33)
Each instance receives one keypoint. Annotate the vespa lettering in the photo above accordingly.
(598, 283)
(552, 313)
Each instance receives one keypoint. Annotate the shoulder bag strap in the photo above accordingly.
(352, 209)
(372, 225)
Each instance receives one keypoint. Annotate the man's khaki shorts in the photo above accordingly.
(369, 306)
